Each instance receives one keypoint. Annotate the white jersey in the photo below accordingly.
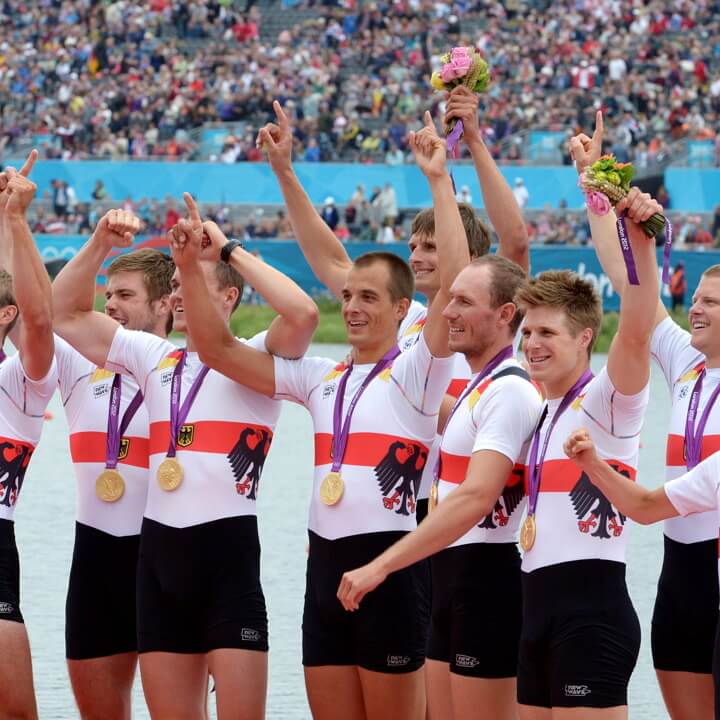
(698, 491)
(22, 411)
(575, 521)
(85, 392)
(681, 364)
(409, 332)
(222, 444)
(392, 428)
(499, 414)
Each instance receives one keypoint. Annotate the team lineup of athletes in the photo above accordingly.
(430, 418)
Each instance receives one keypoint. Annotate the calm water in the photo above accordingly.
(45, 526)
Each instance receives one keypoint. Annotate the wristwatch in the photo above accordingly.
(227, 249)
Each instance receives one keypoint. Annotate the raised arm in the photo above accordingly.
(585, 151)
(90, 333)
(629, 356)
(453, 255)
(211, 335)
(291, 331)
(323, 251)
(642, 505)
(502, 208)
(31, 284)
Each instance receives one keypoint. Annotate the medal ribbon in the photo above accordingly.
(341, 430)
(503, 355)
(627, 252)
(535, 462)
(115, 432)
(453, 139)
(693, 437)
(3, 356)
(178, 413)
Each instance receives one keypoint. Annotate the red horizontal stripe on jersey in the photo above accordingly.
(209, 436)
(363, 449)
(562, 475)
(675, 449)
(456, 387)
(91, 447)
(453, 469)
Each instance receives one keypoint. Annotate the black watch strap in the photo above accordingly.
(227, 249)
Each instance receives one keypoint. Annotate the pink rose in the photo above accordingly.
(462, 65)
(455, 69)
(447, 73)
(597, 203)
(458, 52)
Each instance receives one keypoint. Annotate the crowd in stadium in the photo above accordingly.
(119, 79)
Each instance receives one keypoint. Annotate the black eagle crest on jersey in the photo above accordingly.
(399, 473)
(506, 504)
(594, 511)
(14, 460)
(247, 459)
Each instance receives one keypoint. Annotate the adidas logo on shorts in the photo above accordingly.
(397, 660)
(6, 608)
(576, 690)
(466, 661)
(250, 635)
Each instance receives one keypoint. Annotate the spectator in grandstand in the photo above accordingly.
(521, 193)
(330, 213)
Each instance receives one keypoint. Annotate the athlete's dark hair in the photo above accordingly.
(227, 276)
(477, 234)
(507, 278)
(157, 269)
(402, 282)
(7, 296)
(568, 292)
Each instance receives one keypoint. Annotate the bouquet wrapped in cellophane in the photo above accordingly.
(606, 182)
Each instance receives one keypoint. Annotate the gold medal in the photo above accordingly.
(109, 486)
(433, 500)
(170, 474)
(528, 531)
(332, 488)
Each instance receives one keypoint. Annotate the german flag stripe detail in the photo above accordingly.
(453, 469)
(675, 449)
(456, 387)
(208, 436)
(562, 475)
(91, 447)
(363, 449)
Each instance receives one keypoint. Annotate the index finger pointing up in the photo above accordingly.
(28, 166)
(193, 211)
(280, 114)
(599, 126)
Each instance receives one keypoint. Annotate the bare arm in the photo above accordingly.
(290, 333)
(90, 333)
(502, 208)
(463, 508)
(323, 251)
(629, 356)
(31, 284)
(642, 505)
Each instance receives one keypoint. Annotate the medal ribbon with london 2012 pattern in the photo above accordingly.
(693, 436)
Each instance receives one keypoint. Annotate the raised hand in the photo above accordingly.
(462, 104)
(356, 584)
(585, 150)
(214, 240)
(429, 148)
(580, 448)
(277, 140)
(638, 207)
(16, 189)
(186, 238)
(117, 228)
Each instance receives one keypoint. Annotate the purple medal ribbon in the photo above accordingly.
(503, 355)
(627, 252)
(666, 251)
(693, 437)
(535, 462)
(341, 430)
(3, 356)
(453, 139)
(178, 414)
(115, 432)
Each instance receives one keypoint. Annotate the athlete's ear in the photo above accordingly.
(507, 313)
(231, 296)
(8, 315)
(401, 308)
(586, 337)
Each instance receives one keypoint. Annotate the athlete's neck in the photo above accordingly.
(189, 344)
(372, 353)
(479, 361)
(712, 362)
(556, 390)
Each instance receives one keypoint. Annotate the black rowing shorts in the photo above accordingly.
(9, 574)
(580, 638)
(199, 587)
(477, 609)
(686, 608)
(100, 607)
(388, 633)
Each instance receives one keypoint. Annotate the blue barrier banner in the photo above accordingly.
(287, 257)
(546, 146)
(212, 140)
(701, 153)
(693, 190)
